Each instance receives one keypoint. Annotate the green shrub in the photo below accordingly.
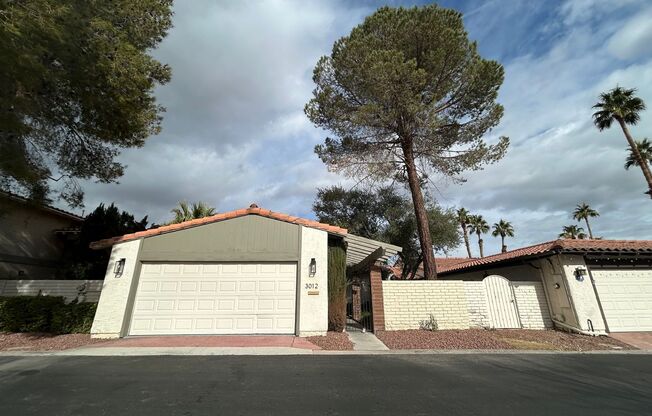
(336, 287)
(45, 314)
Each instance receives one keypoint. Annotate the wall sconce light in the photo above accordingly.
(119, 267)
(312, 270)
(580, 272)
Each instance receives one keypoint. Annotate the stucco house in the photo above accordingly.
(249, 271)
(588, 286)
(32, 237)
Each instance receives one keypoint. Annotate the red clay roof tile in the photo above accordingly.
(108, 242)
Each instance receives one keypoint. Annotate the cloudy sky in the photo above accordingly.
(235, 133)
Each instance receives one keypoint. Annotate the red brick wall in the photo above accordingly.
(377, 305)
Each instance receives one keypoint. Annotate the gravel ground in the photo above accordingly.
(496, 339)
(43, 342)
(338, 341)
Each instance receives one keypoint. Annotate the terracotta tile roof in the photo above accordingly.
(252, 210)
(562, 245)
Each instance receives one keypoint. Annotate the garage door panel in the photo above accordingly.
(626, 298)
(215, 299)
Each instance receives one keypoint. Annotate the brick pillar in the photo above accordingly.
(356, 301)
(377, 305)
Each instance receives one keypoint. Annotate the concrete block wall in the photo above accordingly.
(456, 304)
(83, 290)
(477, 301)
(407, 303)
(532, 306)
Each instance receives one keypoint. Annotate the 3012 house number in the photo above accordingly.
(312, 286)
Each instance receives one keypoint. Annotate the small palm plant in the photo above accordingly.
(479, 226)
(573, 232)
(503, 229)
(621, 105)
(582, 212)
(463, 220)
(644, 148)
(187, 212)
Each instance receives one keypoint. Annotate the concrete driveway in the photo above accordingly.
(640, 340)
(465, 384)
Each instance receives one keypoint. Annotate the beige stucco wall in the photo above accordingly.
(312, 293)
(112, 308)
(407, 303)
(29, 249)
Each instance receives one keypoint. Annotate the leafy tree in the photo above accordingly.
(463, 220)
(391, 218)
(104, 222)
(479, 226)
(620, 104)
(582, 212)
(644, 148)
(406, 95)
(77, 86)
(186, 212)
(503, 229)
(573, 232)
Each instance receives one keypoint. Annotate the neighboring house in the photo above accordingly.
(32, 237)
(250, 271)
(589, 286)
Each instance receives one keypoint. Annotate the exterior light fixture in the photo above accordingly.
(312, 270)
(580, 272)
(119, 267)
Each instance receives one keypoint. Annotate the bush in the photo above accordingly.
(336, 288)
(45, 314)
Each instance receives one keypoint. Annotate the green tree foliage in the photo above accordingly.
(479, 226)
(644, 149)
(503, 229)
(83, 263)
(187, 212)
(336, 286)
(583, 212)
(77, 83)
(573, 232)
(624, 107)
(406, 95)
(391, 218)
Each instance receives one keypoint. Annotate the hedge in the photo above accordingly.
(45, 314)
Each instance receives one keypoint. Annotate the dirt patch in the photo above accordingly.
(519, 339)
(441, 340)
(334, 341)
(44, 342)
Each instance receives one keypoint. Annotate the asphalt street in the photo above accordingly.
(471, 384)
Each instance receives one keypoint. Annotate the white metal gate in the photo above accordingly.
(501, 303)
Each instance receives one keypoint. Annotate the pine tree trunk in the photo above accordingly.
(480, 244)
(466, 240)
(588, 227)
(645, 166)
(504, 247)
(423, 227)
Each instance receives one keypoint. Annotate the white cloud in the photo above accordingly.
(634, 40)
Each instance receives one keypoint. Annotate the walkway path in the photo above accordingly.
(366, 341)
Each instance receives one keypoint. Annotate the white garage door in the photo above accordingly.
(626, 298)
(210, 298)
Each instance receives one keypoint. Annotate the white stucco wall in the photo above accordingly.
(583, 295)
(407, 303)
(112, 307)
(312, 293)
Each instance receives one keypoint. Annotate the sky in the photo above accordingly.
(234, 132)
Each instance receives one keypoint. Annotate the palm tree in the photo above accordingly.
(463, 219)
(479, 226)
(622, 105)
(185, 212)
(573, 232)
(644, 148)
(503, 229)
(582, 212)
